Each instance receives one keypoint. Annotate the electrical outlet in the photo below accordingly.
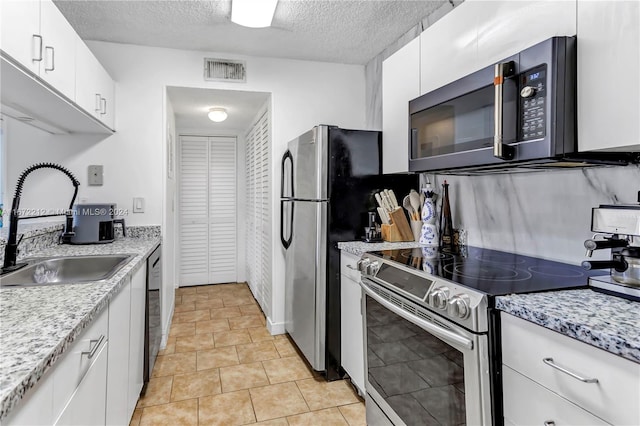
(95, 175)
(138, 205)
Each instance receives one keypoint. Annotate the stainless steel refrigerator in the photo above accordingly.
(329, 176)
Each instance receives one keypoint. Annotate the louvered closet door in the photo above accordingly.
(222, 210)
(207, 210)
(194, 221)
(258, 212)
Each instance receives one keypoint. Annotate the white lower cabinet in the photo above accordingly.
(550, 375)
(36, 407)
(136, 337)
(118, 359)
(99, 377)
(528, 403)
(61, 395)
(351, 336)
(87, 405)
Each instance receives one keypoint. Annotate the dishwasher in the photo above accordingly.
(153, 323)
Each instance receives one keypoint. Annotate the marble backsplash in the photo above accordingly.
(543, 214)
(40, 236)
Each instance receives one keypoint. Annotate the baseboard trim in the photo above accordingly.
(166, 328)
(275, 327)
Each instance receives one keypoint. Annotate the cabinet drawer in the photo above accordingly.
(70, 371)
(528, 403)
(348, 263)
(525, 345)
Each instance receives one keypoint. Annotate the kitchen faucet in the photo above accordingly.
(11, 250)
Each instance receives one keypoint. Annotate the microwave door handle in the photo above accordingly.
(500, 149)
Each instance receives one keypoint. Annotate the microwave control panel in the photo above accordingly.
(533, 93)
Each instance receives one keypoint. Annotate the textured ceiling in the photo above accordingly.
(343, 31)
(191, 106)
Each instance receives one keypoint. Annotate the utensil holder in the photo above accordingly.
(416, 229)
(390, 233)
(399, 230)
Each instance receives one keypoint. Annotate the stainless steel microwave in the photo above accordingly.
(520, 110)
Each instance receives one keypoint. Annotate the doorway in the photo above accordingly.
(222, 189)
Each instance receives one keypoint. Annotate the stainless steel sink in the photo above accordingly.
(65, 270)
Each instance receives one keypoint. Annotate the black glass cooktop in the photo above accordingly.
(492, 272)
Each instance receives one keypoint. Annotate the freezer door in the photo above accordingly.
(305, 281)
(309, 164)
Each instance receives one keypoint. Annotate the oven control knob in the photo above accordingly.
(373, 267)
(438, 297)
(459, 306)
(362, 265)
(527, 91)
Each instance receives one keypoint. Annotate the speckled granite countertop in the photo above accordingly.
(606, 322)
(37, 324)
(359, 247)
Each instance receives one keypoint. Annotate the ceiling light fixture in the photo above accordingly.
(253, 13)
(217, 114)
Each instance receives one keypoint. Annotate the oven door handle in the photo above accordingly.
(436, 330)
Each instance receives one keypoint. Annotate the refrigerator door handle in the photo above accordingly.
(287, 155)
(286, 242)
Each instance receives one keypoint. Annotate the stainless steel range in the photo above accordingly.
(432, 336)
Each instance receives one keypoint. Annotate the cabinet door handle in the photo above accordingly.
(549, 423)
(98, 102)
(39, 50)
(351, 267)
(103, 102)
(97, 342)
(549, 362)
(53, 58)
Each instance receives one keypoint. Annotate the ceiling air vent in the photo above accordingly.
(225, 70)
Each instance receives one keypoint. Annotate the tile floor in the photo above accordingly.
(222, 367)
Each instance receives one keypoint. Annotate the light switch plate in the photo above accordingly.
(138, 205)
(95, 175)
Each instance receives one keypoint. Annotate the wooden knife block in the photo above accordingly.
(399, 229)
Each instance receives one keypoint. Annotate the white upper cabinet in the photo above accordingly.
(449, 48)
(58, 65)
(20, 32)
(479, 33)
(608, 70)
(37, 37)
(400, 84)
(94, 87)
(508, 27)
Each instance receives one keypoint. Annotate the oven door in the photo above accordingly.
(421, 369)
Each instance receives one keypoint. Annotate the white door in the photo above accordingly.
(207, 210)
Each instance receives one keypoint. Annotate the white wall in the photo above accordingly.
(169, 223)
(48, 189)
(304, 94)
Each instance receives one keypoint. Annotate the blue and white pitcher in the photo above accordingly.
(429, 234)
